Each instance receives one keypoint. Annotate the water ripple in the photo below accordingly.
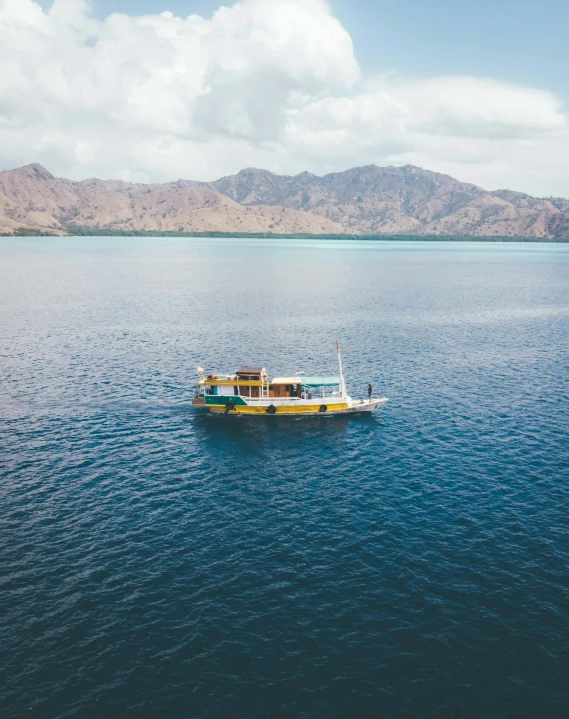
(156, 561)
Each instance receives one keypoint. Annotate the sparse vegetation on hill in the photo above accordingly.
(361, 202)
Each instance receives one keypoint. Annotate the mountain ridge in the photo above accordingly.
(408, 199)
(31, 198)
(363, 200)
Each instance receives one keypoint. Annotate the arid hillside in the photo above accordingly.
(363, 200)
(32, 198)
(409, 200)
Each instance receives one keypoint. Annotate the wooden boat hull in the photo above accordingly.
(297, 409)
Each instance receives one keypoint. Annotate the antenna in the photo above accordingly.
(342, 382)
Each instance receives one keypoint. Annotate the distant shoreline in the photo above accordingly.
(378, 204)
(95, 232)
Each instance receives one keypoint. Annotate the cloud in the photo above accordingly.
(477, 129)
(271, 83)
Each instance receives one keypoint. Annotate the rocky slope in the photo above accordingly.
(32, 198)
(363, 200)
(370, 200)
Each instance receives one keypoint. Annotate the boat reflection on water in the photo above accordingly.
(248, 431)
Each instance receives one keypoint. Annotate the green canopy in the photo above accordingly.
(320, 381)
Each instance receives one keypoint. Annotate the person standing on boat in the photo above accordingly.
(369, 391)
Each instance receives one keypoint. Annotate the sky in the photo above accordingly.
(520, 41)
(154, 90)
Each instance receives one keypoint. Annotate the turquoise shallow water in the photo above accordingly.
(155, 562)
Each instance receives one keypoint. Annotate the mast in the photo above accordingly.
(342, 381)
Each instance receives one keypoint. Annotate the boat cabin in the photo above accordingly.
(253, 383)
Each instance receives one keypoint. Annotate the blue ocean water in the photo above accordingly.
(155, 562)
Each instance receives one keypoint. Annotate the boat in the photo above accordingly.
(249, 391)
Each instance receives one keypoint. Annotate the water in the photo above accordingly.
(155, 562)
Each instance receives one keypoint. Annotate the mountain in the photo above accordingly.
(32, 198)
(363, 200)
(409, 200)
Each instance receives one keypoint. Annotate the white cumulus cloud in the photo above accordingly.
(270, 83)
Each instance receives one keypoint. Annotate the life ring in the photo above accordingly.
(230, 406)
(271, 409)
(323, 408)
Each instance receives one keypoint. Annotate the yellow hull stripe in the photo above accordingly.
(289, 409)
(231, 383)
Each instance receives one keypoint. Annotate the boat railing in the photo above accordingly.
(274, 400)
(320, 393)
(314, 393)
(287, 400)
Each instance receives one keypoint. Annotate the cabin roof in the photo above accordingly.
(286, 380)
(250, 370)
(320, 381)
